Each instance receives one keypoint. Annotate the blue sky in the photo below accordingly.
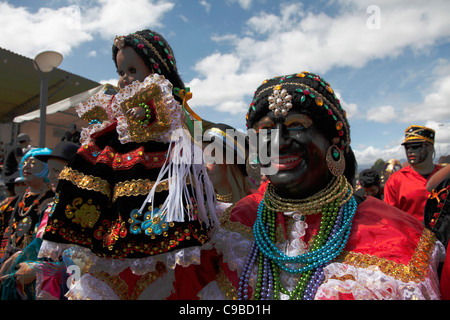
(389, 61)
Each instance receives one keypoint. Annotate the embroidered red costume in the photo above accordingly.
(389, 255)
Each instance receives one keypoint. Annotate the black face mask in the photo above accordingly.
(416, 152)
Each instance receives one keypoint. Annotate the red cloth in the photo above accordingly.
(190, 280)
(378, 229)
(406, 190)
(445, 277)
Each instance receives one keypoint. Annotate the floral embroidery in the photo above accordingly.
(441, 198)
(110, 232)
(151, 226)
(84, 214)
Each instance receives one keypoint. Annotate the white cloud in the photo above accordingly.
(65, 28)
(368, 155)
(350, 108)
(112, 17)
(435, 104)
(29, 33)
(205, 4)
(112, 81)
(221, 85)
(383, 114)
(291, 41)
(245, 4)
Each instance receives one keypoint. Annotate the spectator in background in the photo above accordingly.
(24, 142)
(390, 167)
(14, 155)
(406, 188)
(370, 184)
(16, 188)
(228, 176)
(27, 212)
(23, 268)
(73, 135)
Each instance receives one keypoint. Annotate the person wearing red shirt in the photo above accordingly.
(406, 188)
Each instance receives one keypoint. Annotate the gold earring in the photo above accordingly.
(335, 160)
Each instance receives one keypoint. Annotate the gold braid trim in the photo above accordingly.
(227, 224)
(225, 285)
(416, 270)
(140, 187)
(86, 182)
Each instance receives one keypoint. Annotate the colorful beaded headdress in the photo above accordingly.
(158, 56)
(416, 133)
(305, 92)
(154, 51)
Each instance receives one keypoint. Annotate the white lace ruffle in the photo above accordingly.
(88, 261)
(87, 132)
(91, 288)
(372, 284)
(233, 246)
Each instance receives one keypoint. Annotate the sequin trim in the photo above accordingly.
(227, 224)
(123, 161)
(416, 270)
(225, 285)
(137, 187)
(86, 182)
(162, 124)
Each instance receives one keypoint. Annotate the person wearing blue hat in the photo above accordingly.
(26, 213)
(24, 269)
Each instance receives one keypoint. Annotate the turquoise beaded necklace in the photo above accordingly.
(331, 239)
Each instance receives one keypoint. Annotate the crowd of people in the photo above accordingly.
(138, 209)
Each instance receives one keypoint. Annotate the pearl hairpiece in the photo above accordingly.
(280, 101)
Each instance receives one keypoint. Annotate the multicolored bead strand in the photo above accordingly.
(333, 234)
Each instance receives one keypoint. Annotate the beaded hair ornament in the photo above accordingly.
(280, 93)
(146, 48)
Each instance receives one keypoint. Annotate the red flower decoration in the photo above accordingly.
(21, 204)
(140, 46)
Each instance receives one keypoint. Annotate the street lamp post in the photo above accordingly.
(44, 63)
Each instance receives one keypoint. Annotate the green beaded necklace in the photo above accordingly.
(327, 244)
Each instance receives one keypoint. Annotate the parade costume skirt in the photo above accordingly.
(100, 193)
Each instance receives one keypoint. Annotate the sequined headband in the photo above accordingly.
(280, 102)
